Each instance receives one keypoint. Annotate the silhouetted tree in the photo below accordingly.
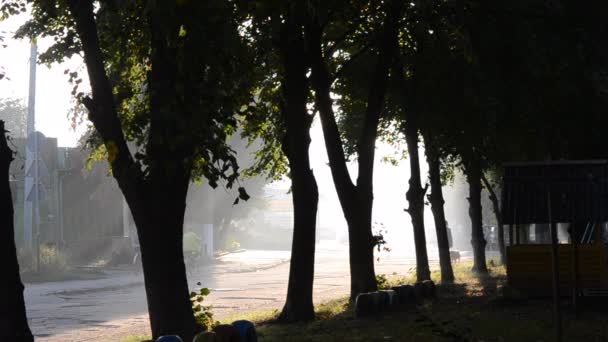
(13, 320)
(169, 76)
(353, 31)
(282, 121)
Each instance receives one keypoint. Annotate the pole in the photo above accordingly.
(574, 267)
(29, 182)
(555, 261)
(31, 214)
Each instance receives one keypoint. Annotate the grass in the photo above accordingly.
(53, 267)
(428, 322)
(471, 309)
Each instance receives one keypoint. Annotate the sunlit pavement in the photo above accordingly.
(114, 307)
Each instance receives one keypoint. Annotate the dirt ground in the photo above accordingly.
(113, 308)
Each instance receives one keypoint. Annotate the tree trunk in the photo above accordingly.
(415, 197)
(361, 255)
(299, 302)
(13, 319)
(500, 229)
(437, 203)
(296, 142)
(361, 250)
(473, 174)
(156, 199)
(356, 200)
(160, 231)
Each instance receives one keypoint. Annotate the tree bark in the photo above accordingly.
(437, 203)
(296, 142)
(500, 229)
(13, 318)
(415, 197)
(164, 271)
(299, 303)
(157, 201)
(478, 241)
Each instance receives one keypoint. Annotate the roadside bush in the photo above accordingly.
(382, 282)
(52, 259)
(202, 313)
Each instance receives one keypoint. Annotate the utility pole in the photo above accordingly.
(31, 217)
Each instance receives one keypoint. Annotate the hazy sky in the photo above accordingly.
(53, 99)
(53, 102)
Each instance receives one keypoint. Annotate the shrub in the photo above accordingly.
(202, 313)
(382, 282)
(52, 259)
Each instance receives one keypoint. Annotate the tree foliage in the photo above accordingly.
(14, 115)
(213, 72)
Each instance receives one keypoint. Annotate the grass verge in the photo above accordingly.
(471, 309)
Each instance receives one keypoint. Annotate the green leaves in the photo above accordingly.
(202, 314)
(179, 71)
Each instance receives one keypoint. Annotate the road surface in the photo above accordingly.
(114, 307)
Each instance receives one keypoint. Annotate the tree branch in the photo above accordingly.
(321, 83)
(492, 193)
(387, 49)
(102, 109)
(350, 61)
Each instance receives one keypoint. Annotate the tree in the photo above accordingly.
(498, 214)
(169, 76)
(330, 40)
(406, 90)
(284, 120)
(13, 320)
(14, 114)
(433, 158)
(420, 74)
(539, 63)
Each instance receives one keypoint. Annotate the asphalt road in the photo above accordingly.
(111, 308)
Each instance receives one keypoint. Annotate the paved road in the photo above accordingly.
(110, 308)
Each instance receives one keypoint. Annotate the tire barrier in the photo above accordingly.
(207, 336)
(366, 304)
(372, 303)
(405, 294)
(169, 338)
(226, 333)
(246, 330)
(390, 299)
(419, 291)
(430, 289)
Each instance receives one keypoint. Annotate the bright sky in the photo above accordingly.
(53, 98)
(53, 102)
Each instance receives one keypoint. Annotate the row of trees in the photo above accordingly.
(481, 83)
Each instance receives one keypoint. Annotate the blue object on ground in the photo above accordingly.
(246, 330)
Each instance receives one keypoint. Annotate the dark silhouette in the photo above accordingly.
(295, 144)
(473, 172)
(13, 320)
(444, 235)
(356, 199)
(182, 127)
(415, 197)
(500, 234)
(415, 193)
